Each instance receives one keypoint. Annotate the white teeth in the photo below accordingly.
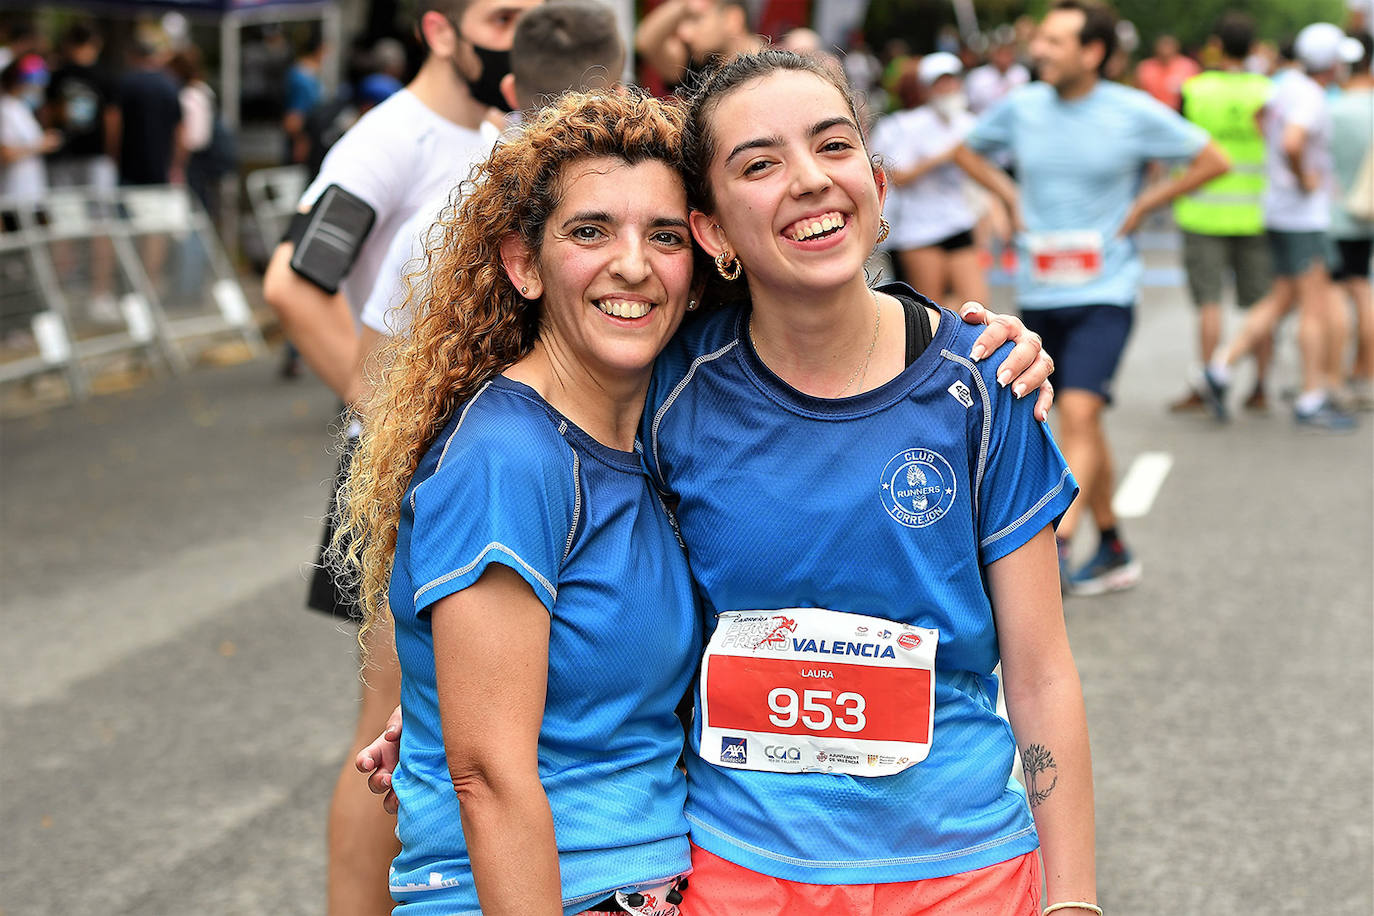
(622, 309)
(803, 231)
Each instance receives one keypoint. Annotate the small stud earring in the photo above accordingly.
(691, 305)
(524, 290)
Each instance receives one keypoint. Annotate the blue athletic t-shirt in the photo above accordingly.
(782, 504)
(511, 481)
(1079, 164)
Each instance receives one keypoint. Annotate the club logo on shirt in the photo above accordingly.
(734, 750)
(918, 487)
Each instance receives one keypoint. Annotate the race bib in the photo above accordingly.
(1065, 258)
(806, 690)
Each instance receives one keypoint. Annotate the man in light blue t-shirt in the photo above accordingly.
(1079, 145)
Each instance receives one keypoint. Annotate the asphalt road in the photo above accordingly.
(171, 718)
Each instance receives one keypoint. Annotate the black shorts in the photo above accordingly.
(1086, 342)
(956, 242)
(1352, 259)
(325, 594)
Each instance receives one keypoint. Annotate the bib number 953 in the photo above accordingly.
(817, 709)
(782, 696)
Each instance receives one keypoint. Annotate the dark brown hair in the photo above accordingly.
(566, 44)
(1099, 24)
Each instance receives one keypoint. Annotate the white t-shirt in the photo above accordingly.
(934, 206)
(25, 178)
(986, 85)
(398, 155)
(197, 115)
(1299, 100)
(382, 312)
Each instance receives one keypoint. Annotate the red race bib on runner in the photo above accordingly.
(812, 690)
(1065, 258)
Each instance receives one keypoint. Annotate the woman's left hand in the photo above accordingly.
(1027, 367)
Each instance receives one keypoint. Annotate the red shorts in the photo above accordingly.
(721, 888)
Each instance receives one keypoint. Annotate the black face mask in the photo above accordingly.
(487, 87)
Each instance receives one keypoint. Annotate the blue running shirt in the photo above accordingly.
(513, 482)
(783, 505)
(1079, 165)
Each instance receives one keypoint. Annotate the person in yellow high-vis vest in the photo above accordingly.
(1223, 221)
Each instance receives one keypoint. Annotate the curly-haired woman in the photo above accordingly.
(542, 605)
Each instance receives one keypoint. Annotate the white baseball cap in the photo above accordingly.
(1322, 45)
(934, 66)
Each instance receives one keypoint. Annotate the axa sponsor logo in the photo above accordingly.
(734, 750)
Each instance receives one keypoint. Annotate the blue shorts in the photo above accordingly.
(1086, 342)
(1294, 253)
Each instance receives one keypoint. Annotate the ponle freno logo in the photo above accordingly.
(908, 641)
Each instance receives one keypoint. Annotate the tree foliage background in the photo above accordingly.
(918, 21)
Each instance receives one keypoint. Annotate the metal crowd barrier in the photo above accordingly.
(156, 278)
(272, 196)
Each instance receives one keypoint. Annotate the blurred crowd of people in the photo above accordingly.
(1290, 221)
(75, 114)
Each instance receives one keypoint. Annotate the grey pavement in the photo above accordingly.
(172, 719)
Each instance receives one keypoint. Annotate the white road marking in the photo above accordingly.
(1141, 484)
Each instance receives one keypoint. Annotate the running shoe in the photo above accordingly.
(1112, 569)
(1327, 418)
(1213, 393)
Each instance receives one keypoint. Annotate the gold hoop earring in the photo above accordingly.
(729, 270)
(884, 227)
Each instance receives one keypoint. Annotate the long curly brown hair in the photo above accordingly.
(469, 321)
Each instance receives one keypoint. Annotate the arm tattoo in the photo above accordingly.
(1042, 773)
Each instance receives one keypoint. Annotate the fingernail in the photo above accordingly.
(1018, 389)
(367, 762)
(386, 781)
(1003, 377)
(978, 352)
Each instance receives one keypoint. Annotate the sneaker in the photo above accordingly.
(1112, 569)
(1213, 393)
(1327, 418)
(1191, 402)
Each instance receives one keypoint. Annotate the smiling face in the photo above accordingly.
(614, 268)
(795, 195)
